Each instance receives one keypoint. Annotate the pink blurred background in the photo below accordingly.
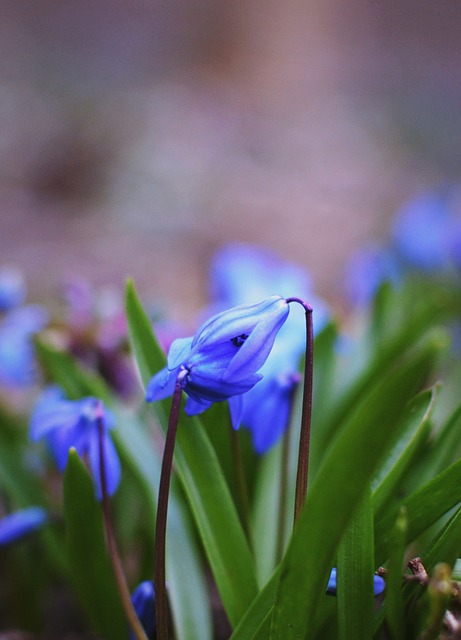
(138, 137)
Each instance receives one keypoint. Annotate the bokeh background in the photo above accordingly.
(138, 137)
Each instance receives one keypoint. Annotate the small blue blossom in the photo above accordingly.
(367, 270)
(239, 273)
(12, 288)
(427, 227)
(223, 359)
(66, 424)
(16, 525)
(143, 600)
(17, 360)
(378, 584)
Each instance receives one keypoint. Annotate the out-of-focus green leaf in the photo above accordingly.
(202, 479)
(412, 437)
(355, 574)
(424, 507)
(92, 573)
(348, 466)
(187, 589)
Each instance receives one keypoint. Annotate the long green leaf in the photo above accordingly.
(355, 574)
(91, 570)
(202, 480)
(348, 466)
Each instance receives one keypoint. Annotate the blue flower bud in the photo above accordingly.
(143, 600)
(16, 525)
(378, 584)
(66, 424)
(222, 360)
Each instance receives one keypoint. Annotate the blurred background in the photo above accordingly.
(136, 138)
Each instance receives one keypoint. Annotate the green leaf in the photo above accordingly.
(187, 589)
(92, 573)
(202, 479)
(394, 603)
(413, 437)
(355, 574)
(446, 545)
(425, 506)
(348, 466)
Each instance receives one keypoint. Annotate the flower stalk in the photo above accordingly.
(306, 417)
(117, 567)
(161, 603)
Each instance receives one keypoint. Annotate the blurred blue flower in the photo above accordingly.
(222, 360)
(426, 228)
(378, 584)
(16, 525)
(239, 273)
(12, 288)
(143, 599)
(74, 423)
(367, 270)
(17, 360)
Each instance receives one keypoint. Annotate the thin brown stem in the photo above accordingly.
(114, 556)
(305, 435)
(161, 603)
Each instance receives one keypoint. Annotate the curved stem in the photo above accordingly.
(305, 435)
(117, 567)
(161, 604)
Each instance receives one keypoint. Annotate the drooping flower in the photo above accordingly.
(378, 584)
(66, 424)
(17, 361)
(223, 359)
(143, 599)
(19, 524)
(239, 273)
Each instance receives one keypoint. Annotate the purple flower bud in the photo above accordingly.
(222, 360)
(143, 600)
(16, 525)
(66, 424)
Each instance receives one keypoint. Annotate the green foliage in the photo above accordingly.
(384, 487)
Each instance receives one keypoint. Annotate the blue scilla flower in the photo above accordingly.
(239, 273)
(74, 423)
(16, 525)
(223, 359)
(367, 270)
(17, 360)
(425, 230)
(143, 600)
(12, 288)
(378, 584)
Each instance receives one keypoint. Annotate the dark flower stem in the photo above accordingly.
(161, 604)
(305, 435)
(117, 567)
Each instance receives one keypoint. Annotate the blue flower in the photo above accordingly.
(222, 360)
(240, 273)
(20, 523)
(12, 288)
(426, 227)
(367, 270)
(378, 584)
(143, 600)
(17, 361)
(74, 423)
